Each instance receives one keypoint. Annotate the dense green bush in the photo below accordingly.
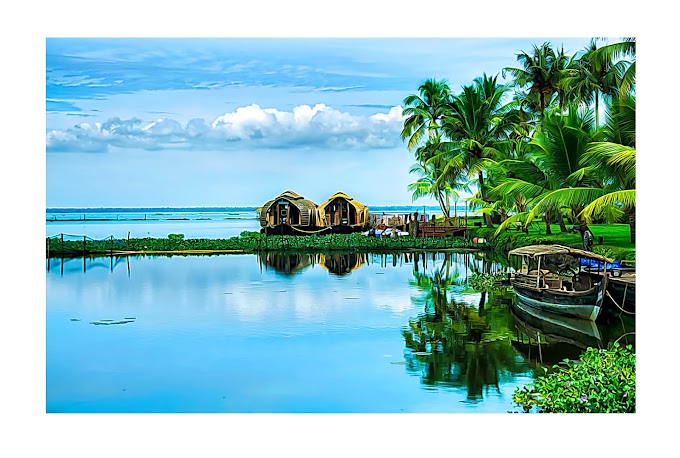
(601, 381)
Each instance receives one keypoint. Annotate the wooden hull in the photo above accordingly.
(286, 229)
(346, 229)
(623, 293)
(585, 305)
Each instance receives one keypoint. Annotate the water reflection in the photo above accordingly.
(458, 344)
(336, 263)
(545, 338)
(87, 263)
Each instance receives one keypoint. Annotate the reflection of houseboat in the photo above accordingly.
(288, 264)
(342, 264)
(344, 214)
(289, 213)
(559, 287)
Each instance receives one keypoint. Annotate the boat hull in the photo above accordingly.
(585, 306)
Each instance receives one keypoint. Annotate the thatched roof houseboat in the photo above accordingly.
(342, 213)
(290, 213)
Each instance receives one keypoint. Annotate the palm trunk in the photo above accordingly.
(487, 217)
(631, 221)
(442, 205)
(583, 227)
(560, 220)
(546, 220)
(597, 110)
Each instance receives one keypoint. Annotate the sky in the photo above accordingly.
(191, 122)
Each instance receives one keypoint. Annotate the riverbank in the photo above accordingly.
(252, 242)
(611, 240)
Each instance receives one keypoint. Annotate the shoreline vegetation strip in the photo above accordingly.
(613, 243)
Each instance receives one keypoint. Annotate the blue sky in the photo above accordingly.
(228, 122)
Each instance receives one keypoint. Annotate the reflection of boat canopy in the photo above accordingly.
(341, 264)
(343, 210)
(287, 263)
(533, 251)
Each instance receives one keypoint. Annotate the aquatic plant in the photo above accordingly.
(601, 381)
(485, 282)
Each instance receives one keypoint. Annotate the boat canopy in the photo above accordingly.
(361, 209)
(308, 209)
(547, 250)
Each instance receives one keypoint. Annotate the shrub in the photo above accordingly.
(601, 381)
(176, 236)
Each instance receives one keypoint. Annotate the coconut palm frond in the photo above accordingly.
(624, 198)
(513, 186)
(518, 217)
(566, 197)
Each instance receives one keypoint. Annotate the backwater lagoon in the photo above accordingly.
(354, 332)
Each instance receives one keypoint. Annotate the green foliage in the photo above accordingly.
(601, 381)
(251, 242)
(176, 236)
(483, 282)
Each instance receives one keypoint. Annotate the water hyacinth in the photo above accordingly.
(571, 388)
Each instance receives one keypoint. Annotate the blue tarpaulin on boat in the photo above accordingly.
(599, 264)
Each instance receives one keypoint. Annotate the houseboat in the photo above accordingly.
(344, 214)
(291, 214)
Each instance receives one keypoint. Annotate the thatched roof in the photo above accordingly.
(546, 250)
(361, 209)
(307, 207)
(358, 205)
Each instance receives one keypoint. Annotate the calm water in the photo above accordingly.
(308, 333)
(193, 223)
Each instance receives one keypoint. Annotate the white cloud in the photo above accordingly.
(251, 126)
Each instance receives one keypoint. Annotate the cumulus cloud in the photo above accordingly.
(251, 126)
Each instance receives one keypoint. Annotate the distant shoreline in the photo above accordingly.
(218, 209)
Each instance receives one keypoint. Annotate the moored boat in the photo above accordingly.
(548, 281)
(291, 214)
(343, 214)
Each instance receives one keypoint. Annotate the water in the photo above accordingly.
(159, 222)
(306, 333)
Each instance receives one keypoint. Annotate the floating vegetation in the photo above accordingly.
(110, 322)
(249, 242)
(76, 319)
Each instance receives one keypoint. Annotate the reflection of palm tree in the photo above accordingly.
(452, 344)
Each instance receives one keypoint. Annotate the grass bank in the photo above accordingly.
(615, 239)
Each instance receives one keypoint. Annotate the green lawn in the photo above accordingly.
(616, 238)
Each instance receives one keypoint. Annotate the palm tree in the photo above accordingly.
(541, 71)
(424, 111)
(598, 74)
(475, 121)
(552, 177)
(618, 161)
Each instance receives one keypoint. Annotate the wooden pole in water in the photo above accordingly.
(111, 245)
(84, 244)
(62, 243)
(48, 251)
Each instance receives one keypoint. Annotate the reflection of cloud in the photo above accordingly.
(320, 125)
